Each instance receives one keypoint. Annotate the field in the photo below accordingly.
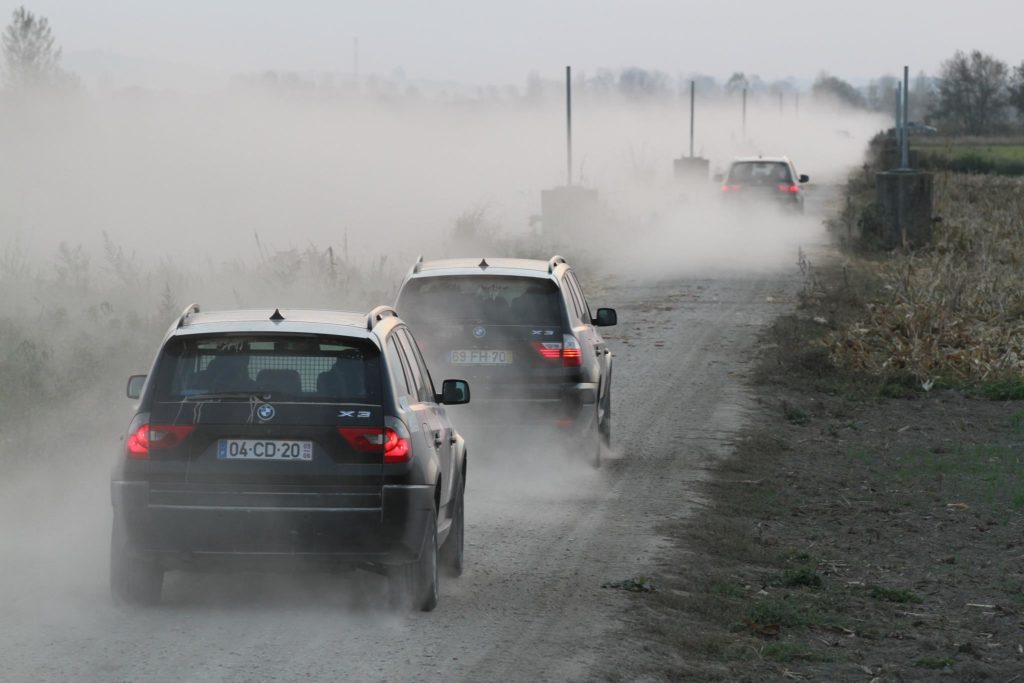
(868, 525)
(971, 155)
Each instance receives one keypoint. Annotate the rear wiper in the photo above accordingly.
(228, 396)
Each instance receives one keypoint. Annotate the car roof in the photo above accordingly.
(484, 266)
(747, 160)
(259, 320)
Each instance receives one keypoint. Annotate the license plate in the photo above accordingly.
(480, 357)
(264, 449)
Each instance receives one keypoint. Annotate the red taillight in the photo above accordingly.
(789, 188)
(154, 437)
(548, 349)
(569, 351)
(731, 188)
(374, 439)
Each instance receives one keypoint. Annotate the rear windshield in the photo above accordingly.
(760, 173)
(494, 299)
(290, 367)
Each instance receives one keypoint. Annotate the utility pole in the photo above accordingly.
(744, 114)
(692, 91)
(355, 59)
(905, 138)
(568, 126)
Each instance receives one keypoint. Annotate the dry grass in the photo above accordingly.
(955, 313)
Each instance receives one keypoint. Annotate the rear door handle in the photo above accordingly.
(437, 439)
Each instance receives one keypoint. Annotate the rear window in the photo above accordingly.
(290, 367)
(494, 299)
(760, 173)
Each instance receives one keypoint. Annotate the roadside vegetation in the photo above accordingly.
(869, 524)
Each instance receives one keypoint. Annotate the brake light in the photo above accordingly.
(154, 437)
(395, 446)
(572, 354)
(731, 188)
(789, 188)
(548, 349)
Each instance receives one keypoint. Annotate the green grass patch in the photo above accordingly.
(898, 595)
(794, 414)
(1006, 389)
(971, 474)
(1005, 159)
(784, 651)
(934, 662)
(801, 578)
(784, 611)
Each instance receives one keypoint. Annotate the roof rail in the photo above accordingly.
(377, 314)
(555, 261)
(419, 264)
(187, 314)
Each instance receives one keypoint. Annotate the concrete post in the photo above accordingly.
(904, 201)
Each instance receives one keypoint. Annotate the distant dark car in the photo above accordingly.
(521, 331)
(764, 179)
(272, 437)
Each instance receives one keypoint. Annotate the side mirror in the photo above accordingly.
(805, 178)
(454, 392)
(135, 384)
(718, 177)
(606, 317)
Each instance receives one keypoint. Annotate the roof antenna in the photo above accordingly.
(484, 265)
(277, 317)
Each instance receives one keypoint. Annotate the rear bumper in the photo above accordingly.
(567, 407)
(186, 529)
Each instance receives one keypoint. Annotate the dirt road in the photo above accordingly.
(530, 605)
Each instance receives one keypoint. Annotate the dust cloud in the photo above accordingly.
(117, 208)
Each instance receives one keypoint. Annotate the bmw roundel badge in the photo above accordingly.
(479, 332)
(265, 412)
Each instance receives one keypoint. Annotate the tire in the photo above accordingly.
(452, 554)
(134, 579)
(414, 586)
(606, 423)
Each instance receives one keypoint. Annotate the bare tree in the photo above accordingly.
(837, 90)
(1016, 90)
(31, 56)
(973, 93)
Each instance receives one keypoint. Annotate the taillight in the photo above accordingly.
(395, 446)
(548, 349)
(568, 350)
(789, 188)
(731, 188)
(572, 354)
(154, 437)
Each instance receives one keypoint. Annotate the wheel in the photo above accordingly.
(134, 579)
(452, 552)
(606, 422)
(413, 586)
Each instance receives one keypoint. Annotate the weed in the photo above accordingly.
(934, 662)
(898, 595)
(794, 414)
(783, 611)
(783, 651)
(1005, 389)
(797, 578)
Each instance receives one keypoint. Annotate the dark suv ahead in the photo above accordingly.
(522, 332)
(764, 179)
(280, 437)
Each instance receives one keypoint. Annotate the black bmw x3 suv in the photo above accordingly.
(521, 331)
(268, 438)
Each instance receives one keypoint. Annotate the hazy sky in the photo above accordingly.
(480, 41)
